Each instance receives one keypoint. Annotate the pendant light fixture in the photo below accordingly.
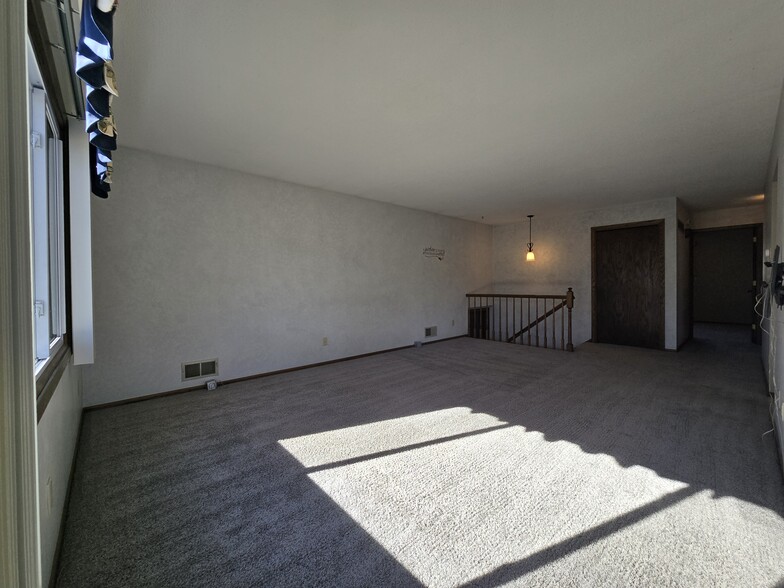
(529, 255)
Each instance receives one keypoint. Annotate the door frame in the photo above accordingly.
(757, 258)
(656, 222)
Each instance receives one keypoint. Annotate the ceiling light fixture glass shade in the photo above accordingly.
(529, 255)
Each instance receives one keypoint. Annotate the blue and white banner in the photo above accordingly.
(94, 65)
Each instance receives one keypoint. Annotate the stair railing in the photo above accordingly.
(538, 320)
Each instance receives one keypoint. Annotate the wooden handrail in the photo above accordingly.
(531, 296)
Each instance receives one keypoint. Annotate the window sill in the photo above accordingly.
(48, 376)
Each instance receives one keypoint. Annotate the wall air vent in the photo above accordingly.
(199, 369)
(431, 331)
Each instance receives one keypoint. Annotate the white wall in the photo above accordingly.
(81, 269)
(194, 262)
(58, 431)
(563, 258)
(773, 346)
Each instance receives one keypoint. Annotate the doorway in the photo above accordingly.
(479, 322)
(627, 283)
(726, 267)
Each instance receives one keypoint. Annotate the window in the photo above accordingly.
(48, 231)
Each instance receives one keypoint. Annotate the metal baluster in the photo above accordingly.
(498, 333)
(506, 319)
(482, 317)
(544, 324)
(477, 316)
(492, 318)
(529, 322)
(553, 323)
(489, 305)
(489, 318)
(537, 323)
(468, 315)
(478, 319)
(485, 318)
(562, 328)
(500, 327)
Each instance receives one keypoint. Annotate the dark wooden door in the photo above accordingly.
(628, 284)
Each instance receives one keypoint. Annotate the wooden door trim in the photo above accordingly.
(634, 225)
(727, 228)
(662, 246)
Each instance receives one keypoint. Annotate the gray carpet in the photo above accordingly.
(464, 463)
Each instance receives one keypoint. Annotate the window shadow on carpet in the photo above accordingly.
(513, 571)
(237, 514)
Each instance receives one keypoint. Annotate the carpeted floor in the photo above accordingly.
(464, 463)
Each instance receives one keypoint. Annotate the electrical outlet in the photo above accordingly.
(325, 341)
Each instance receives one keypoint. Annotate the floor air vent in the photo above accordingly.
(199, 369)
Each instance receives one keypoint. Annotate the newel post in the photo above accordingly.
(569, 306)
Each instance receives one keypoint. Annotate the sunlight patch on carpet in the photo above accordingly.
(366, 440)
(456, 509)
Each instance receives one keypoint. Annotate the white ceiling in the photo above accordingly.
(468, 108)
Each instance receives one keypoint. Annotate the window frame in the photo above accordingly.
(48, 238)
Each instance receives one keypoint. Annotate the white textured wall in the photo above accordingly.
(194, 262)
(563, 258)
(79, 202)
(58, 431)
(773, 346)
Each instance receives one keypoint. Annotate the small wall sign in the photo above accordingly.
(437, 253)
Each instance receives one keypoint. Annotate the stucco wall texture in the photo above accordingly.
(57, 434)
(772, 347)
(195, 262)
